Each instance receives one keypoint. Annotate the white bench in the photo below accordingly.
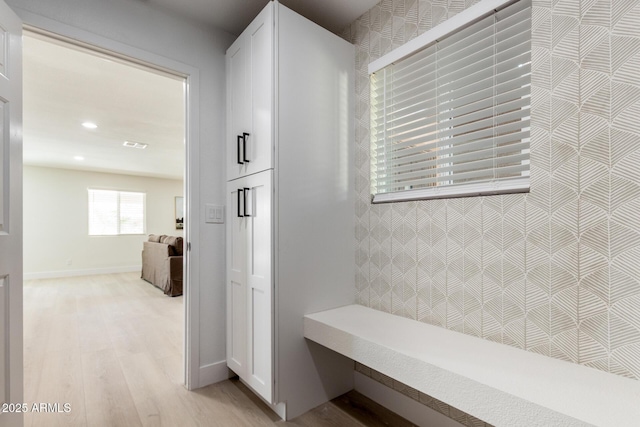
(496, 383)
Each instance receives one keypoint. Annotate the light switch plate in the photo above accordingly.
(214, 214)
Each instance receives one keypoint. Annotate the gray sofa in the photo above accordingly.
(162, 263)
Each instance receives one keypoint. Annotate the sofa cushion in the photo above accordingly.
(175, 244)
(156, 238)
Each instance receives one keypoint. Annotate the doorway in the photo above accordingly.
(75, 142)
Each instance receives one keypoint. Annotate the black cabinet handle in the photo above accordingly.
(244, 147)
(240, 162)
(246, 191)
(239, 191)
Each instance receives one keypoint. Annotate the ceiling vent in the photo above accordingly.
(138, 145)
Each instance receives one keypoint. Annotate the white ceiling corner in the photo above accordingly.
(234, 15)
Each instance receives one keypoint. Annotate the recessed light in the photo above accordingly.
(90, 125)
(139, 145)
(78, 158)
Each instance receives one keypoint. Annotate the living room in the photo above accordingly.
(94, 123)
(103, 168)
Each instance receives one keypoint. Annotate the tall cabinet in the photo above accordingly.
(290, 198)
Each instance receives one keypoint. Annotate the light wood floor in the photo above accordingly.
(111, 346)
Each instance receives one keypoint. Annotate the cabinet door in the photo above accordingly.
(250, 98)
(260, 144)
(236, 280)
(260, 283)
(238, 109)
(250, 281)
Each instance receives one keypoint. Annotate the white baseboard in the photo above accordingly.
(74, 273)
(408, 408)
(213, 373)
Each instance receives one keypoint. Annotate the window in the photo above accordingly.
(450, 111)
(116, 212)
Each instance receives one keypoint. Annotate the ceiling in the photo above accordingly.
(233, 16)
(66, 85)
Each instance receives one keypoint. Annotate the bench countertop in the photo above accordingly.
(496, 383)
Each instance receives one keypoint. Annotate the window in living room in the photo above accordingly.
(116, 212)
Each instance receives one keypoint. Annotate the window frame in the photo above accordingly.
(119, 218)
(459, 22)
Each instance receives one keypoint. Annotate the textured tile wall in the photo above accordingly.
(555, 271)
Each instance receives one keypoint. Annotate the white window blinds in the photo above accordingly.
(452, 119)
(115, 212)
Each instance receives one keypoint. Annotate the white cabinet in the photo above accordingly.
(290, 198)
(250, 99)
(249, 289)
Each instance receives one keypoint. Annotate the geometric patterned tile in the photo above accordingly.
(424, 262)
(403, 265)
(554, 271)
(514, 268)
(454, 259)
(439, 244)
(493, 275)
(472, 266)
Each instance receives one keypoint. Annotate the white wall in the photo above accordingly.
(56, 221)
(138, 25)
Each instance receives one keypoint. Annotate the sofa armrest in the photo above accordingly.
(153, 267)
(175, 267)
(174, 264)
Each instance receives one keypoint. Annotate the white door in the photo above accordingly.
(250, 98)
(11, 391)
(250, 281)
(260, 82)
(236, 279)
(259, 250)
(238, 126)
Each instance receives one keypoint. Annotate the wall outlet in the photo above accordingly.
(69, 261)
